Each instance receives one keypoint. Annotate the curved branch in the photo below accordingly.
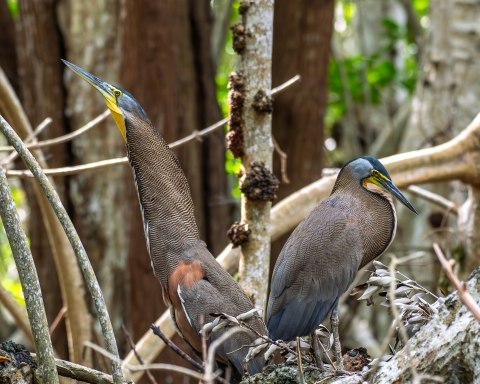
(64, 138)
(434, 198)
(12, 156)
(68, 271)
(30, 284)
(123, 160)
(74, 239)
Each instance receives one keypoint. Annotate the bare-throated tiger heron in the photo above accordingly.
(319, 261)
(194, 284)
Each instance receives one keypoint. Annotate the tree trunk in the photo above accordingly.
(256, 67)
(302, 32)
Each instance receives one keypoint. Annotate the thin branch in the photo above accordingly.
(29, 280)
(203, 338)
(299, 361)
(44, 124)
(68, 270)
(123, 160)
(59, 317)
(69, 170)
(283, 161)
(281, 87)
(209, 375)
(80, 372)
(12, 108)
(159, 366)
(434, 198)
(65, 138)
(74, 239)
(386, 341)
(463, 293)
(132, 346)
(156, 330)
(174, 348)
(396, 315)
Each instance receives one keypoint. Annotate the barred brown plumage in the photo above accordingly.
(319, 261)
(193, 283)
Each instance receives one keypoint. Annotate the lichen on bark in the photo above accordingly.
(256, 66)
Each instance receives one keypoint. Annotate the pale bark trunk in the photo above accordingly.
(256, 64)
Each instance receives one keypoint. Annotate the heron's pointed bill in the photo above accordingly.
(390, 187)
(108, 93)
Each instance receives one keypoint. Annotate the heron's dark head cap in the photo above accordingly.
(373, 176)
(120, 103)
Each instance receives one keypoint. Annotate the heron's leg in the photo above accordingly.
(336, 337)
(317, 351)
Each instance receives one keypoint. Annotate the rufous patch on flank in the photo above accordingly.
(184, 276)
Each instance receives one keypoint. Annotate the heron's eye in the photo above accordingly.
(375, 172)
(117, 93)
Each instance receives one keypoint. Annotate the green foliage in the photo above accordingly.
(378, 69)
(227, 64)
(13, 6)
(421, 6)
(8, 272)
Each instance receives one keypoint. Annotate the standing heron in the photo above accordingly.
(319, 261)
(194, 285)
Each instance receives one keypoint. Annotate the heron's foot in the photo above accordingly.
(336, 339)
(317, 352)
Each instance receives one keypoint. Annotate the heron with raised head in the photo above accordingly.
(194, 284)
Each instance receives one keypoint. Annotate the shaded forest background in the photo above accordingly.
(377, 78)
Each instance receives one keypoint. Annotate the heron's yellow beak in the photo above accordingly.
(109, 93)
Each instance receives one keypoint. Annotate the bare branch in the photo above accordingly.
(74, 239)
(57, 320)
(281, 87)
(132, 346)
(68, 271)
(123, 160)
(44, 124)
(209, 375)
(30, 284)
(174, 348)
(159, 366)
(64, 138)
(299, 361)
(81, 373)
(283, 161)
(403, 332)
(434, 198)
(463, 293)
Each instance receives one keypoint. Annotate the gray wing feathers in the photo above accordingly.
(203, 298)
(316, 265)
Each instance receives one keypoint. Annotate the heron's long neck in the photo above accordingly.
(376, 216)
(165, 200)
